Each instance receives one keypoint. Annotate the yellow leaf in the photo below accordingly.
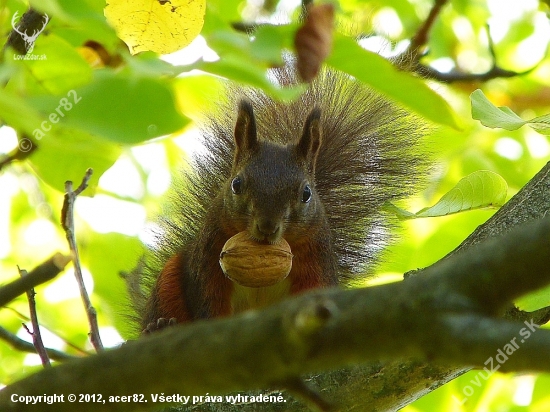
(161, 26)
(91, 56)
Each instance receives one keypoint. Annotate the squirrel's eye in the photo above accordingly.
(237, 185)
(306, 194)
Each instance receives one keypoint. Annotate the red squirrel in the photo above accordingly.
(315, 172)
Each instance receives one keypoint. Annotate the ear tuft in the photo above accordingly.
(308, 147)
(246, 139)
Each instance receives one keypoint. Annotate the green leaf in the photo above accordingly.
(241, 71)
(149, 65)
(400, 213)
(534, 300)
(62, 69)
(503, 117)
(194, 94)
(87, 22)
(270, 41)
(106, 263)
(541, 124)
(63, 153)
(491, 116)
(66, 155)
(247, 61)
(381, 75)
(227, 42)
(51, 7)
(478, 190)
(17, 113)
(118, 107)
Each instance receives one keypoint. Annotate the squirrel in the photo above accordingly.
(316, 172)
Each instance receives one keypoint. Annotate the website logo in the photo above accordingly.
(28, 39)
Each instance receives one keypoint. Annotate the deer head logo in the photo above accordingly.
(29, 40)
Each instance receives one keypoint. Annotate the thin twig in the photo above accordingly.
(36, 336)
(247, 28)
(67, 222)
(25, 147)
(422, 35)
(411, 57)
(23, 345)
(67, 342)
(494, 73)
(40, 274)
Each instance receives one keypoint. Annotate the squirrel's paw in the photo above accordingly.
(160, 324)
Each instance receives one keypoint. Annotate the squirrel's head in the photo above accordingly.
(271, 191)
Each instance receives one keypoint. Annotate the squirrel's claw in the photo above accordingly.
(160, 324)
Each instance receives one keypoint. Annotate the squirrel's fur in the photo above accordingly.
(369, 155)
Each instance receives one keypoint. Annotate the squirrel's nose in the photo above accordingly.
(268, 227)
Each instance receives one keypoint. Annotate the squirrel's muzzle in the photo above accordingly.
(267, 229)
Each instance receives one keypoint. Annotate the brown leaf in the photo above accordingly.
(313, 41)
(98, 56)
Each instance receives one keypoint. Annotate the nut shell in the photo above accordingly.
(253, 264)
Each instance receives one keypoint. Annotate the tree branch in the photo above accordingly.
(409, 60)
(411, 57)
(24, 149)
(425, 318)
(67, 222)
(387, 386)
(36, 335)
(42, 273)
(421, 37)
(260, 349)
(494, 72)
(23, 345)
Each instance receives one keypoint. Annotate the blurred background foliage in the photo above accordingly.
(133, 165)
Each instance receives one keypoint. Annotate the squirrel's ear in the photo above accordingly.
(310, 142)
(246, 139)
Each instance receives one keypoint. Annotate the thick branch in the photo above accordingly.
(423, 318)
(485, 338)
(255, 340)
(124, 370)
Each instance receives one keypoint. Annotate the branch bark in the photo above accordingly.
(42, 273)
(450, 314)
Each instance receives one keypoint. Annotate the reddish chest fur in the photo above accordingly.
(220, 293)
